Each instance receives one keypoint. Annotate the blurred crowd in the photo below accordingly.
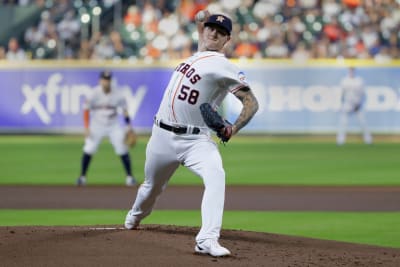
(164, 30)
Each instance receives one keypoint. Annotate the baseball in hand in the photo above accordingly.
(200, 16)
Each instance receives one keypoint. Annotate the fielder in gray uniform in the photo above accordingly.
(181, 137)
(100, 116)
(353, 98)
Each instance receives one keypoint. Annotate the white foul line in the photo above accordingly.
(106, 228)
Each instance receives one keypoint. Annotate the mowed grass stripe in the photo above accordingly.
(56, 160)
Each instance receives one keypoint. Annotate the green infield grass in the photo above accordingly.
(251, 161)
(374, 228)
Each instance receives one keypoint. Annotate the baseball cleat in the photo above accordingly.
(131, 223)
(81, 181)
(130, 181)
(211, 247)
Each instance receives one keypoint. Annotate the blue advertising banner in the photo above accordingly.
(307, 99)
(293, 99)
(51, 99)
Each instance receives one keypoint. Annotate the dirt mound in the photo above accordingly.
(155, 245)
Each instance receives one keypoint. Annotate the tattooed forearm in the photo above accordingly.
(250, 107)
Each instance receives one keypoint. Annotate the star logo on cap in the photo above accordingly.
(220, 19)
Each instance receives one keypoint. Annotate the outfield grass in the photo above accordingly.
(56, 160)
(374, 228)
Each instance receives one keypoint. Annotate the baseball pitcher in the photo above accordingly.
(181, 133)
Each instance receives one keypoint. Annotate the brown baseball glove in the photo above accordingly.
(130, 138)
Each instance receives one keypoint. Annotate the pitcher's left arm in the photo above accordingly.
(249, 109)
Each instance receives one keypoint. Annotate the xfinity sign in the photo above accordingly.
(52, 97)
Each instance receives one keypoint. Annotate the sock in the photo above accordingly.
(85, 163)
(126, 161)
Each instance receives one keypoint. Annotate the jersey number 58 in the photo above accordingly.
(189, 95)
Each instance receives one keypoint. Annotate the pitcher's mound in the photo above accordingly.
(156, 245)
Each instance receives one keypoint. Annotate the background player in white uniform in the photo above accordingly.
(353, 97)
(180, 136)
(100, 120)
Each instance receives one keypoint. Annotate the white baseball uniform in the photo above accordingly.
(204, 77)
(104, 109)
(353, 96)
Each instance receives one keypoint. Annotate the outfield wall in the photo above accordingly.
(294, 98)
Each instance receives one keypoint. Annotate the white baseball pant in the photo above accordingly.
(343, 121)
(164, 153)
(115, 133)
